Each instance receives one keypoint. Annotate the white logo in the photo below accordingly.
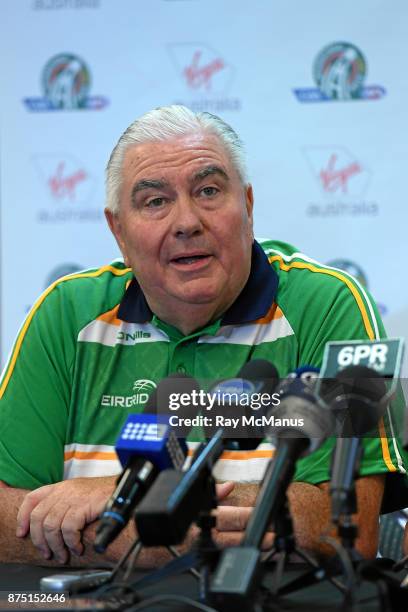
(142, 388)
(148, 432)
(375, 355)
(144, 385)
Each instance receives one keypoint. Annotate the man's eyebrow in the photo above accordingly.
(147, 184)
(208, 171)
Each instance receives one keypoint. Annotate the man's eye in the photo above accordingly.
(155, 203)
(209, 191)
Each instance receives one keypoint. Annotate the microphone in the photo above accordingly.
(176, 499)
(146, 446)
(301, 424)
(256, 380)
(357, 402)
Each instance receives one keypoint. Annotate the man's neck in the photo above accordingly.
(190, 317)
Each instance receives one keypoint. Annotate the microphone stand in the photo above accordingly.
(207, 552)
(284, 546)
(204, 553)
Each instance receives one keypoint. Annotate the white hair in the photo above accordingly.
(164, 123)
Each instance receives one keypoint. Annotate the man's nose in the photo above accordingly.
(187, 218)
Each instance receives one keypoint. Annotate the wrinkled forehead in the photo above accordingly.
(179, 154)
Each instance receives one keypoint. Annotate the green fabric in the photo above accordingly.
(66, 387)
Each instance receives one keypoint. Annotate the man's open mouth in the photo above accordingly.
(190, 259)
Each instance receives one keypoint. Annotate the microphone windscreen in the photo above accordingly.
(177, 383)
(355, 397)
(260, 370)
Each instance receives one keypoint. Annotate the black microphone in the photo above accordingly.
(175, 499)
(355, 398)
(256, 379)
(147, 445)
(301, 424)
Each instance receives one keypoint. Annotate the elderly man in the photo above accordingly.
(195, 294)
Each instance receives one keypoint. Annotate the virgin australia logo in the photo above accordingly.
(66, 82)
(205, 75)
(339, 72)
(337, 172)
(199, 75)
(65, 178)
(342, 180)
(69, 187)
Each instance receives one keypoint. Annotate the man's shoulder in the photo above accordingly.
(115, 272)
(298, 272)
(310, 291)
(86, 293)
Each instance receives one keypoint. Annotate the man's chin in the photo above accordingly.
(198, 298)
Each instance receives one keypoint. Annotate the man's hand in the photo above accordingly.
(232, 519)
(56, 514)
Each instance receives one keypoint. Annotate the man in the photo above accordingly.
(195, 294)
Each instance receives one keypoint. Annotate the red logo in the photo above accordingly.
(200, 75)
(336, 178)
(338, 172)
(64, 185)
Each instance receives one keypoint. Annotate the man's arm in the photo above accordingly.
(39, 541)
(57, 523)
(22, 550)
(311, 513)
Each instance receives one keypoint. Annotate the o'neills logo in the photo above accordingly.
(142, 388)
(131, 337)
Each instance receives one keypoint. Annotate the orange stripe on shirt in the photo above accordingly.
(107, 456)
(243, 455)
(110, 316)
(273, 313)
(90, 455)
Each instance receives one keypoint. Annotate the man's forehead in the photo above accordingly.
(197, 153)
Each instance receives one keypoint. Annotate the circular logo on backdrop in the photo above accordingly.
(66, 81)
(61, 270)
(356, 270)
(352, 268)
(339, 71)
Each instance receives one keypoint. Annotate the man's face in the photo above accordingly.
(185, 225)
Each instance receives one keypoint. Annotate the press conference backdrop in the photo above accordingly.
(317, 90)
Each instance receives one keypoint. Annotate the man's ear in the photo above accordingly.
(115, 227)
(249, 202)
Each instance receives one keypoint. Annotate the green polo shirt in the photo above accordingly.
(90, 351)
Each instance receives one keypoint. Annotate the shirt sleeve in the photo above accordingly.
(35, 396)
(345, 311)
